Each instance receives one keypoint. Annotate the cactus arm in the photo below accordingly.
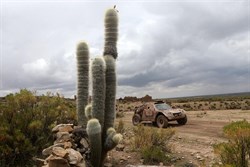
(88, 111)
(99, 88)
(82, 81)
(111, 33)
(111, 141)
(110, 93)
(95, 138)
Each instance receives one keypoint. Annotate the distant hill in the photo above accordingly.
(214, 97)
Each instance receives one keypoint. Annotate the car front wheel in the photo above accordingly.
(161, 121)
(182, 121)
(136, 119)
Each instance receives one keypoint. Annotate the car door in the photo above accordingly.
(148, 114)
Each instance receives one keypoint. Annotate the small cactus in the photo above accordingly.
(101, 112)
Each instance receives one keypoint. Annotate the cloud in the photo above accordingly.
(165, 49)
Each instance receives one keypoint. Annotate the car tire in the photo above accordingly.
(182, 121)
(136, 119)
(162, 121)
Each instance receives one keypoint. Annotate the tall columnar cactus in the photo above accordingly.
(111, 33)
(82, 82)
(101, 111)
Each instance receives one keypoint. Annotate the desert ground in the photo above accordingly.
(192, 143)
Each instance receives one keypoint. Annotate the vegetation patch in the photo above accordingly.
(153, 144)
(26, 123)
(235, 152)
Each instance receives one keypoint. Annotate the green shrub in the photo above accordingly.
(120, 127)
(26, 122)
(152, 143)
(119, 114)
(154, 155)
(236, 152)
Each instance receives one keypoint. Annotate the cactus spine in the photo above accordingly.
(82, 82)
(101, 112)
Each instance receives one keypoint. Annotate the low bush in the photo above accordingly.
(119, 114)
(26, 123)
(153, 144)
(235, 152)
(120, 127)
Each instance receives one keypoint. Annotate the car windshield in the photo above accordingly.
(162, 106)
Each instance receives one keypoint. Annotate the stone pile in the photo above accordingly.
(70, 149)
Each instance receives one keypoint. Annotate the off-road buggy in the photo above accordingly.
(158, 113)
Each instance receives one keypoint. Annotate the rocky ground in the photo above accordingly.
(192, 143)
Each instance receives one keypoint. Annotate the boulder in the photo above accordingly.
(61, 126)
(59, 151)
(57, 162)
(84, 143)
(74, 157)
(62, 137)
(48, 151)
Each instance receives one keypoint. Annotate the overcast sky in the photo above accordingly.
(166, 48)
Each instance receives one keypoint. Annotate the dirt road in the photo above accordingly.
(194, 141)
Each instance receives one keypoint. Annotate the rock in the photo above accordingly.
(62, 137)
(58, 162)
(39, 161)
(199, 158)
(63, 153)
(108, 165)
(82, 150)
(67, 145)
(123, 158)
(82, 164)
(66, 129)
(59, 151)
(84, 143)
(120, 147)
(79, 131)
(57, 127)
(48, 151)
(47, 159)
(74, 157)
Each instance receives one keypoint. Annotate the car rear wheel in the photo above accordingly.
(182, 121)
(136, 119)
(161, 121)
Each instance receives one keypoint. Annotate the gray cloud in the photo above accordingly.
(165, 49)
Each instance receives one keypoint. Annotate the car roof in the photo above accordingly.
(159, 102)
